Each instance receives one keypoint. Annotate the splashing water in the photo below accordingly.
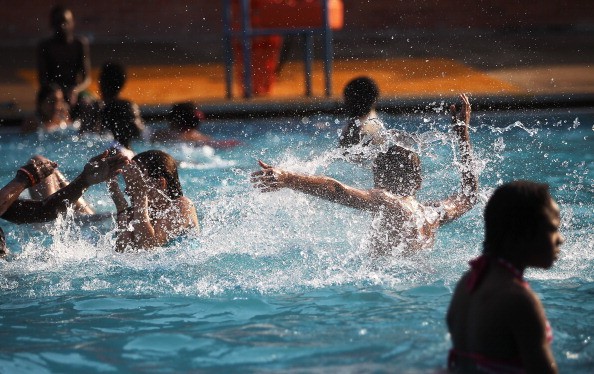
(284, 280)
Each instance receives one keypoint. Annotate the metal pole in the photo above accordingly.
(308, 56)
(227, 45)
(328, 53)
(246, 39)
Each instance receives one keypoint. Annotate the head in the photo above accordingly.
(50, 100)
(62, 21)
(360, 96)
(111, 80)
(522, 224)
(122, 118)
(398, 170)
(185, 116)
(161, 168)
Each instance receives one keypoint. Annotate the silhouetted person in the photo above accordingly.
(363, 126)
(496, 321)
(122, 118)
(64, 58)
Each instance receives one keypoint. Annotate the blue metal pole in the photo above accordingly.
(328, 53)
(308, 61)
(227, 45)
(246, 39)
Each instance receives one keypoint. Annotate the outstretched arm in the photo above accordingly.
(460, 203)
(271, 179)
(98, 169)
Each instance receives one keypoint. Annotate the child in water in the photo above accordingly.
(184, 127)
(159, 212)
(402, 222)
(497, 323)
(51, 111)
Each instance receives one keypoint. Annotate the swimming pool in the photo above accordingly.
(283, 281)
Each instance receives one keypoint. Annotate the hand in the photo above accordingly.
(136, 184)
(461, 119)
(117, 195)
(269, 178)
(103, 167)
(37, 169)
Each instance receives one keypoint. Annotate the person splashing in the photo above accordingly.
(159, 211)
(400, 221)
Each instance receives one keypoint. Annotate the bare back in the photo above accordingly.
(498, 321)
(401, 223)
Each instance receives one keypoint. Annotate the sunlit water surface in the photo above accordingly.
(283, 281)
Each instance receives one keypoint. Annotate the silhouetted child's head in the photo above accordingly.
(158, 164)
(50, 100)
(185, 116)
(398, 170)
(111, 80)
(514, 212)
(62, 21)
(360, 95)
(122, 118)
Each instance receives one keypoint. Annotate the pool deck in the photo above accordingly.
(500, 70)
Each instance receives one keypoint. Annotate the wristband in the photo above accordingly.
(30, 176)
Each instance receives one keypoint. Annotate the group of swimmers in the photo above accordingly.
(496, 322)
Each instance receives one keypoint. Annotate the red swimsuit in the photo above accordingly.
(485, 364)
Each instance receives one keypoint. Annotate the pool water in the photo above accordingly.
(283, 281)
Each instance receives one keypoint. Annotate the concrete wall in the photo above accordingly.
(108, 21)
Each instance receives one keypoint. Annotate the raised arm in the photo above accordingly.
(460, 203)
(271, 179)
(98, 169)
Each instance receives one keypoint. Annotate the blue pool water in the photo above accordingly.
(282, 281)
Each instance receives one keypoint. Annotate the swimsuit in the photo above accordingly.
(483, 363)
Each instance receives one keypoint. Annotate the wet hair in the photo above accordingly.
(119, 117)
(514, 211)
(360, 95)
(159, 164)
(112, 79)
(185, 116)
(398, 170)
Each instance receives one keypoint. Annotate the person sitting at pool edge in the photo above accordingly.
(64, 58)
(99, 169)
(496, 321)
(184, 126)
(159, 212)
(404, 222)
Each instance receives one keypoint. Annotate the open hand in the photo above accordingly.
(104, 167)
(268, 179)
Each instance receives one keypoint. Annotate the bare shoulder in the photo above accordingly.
(185, 204)
(388, 200)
